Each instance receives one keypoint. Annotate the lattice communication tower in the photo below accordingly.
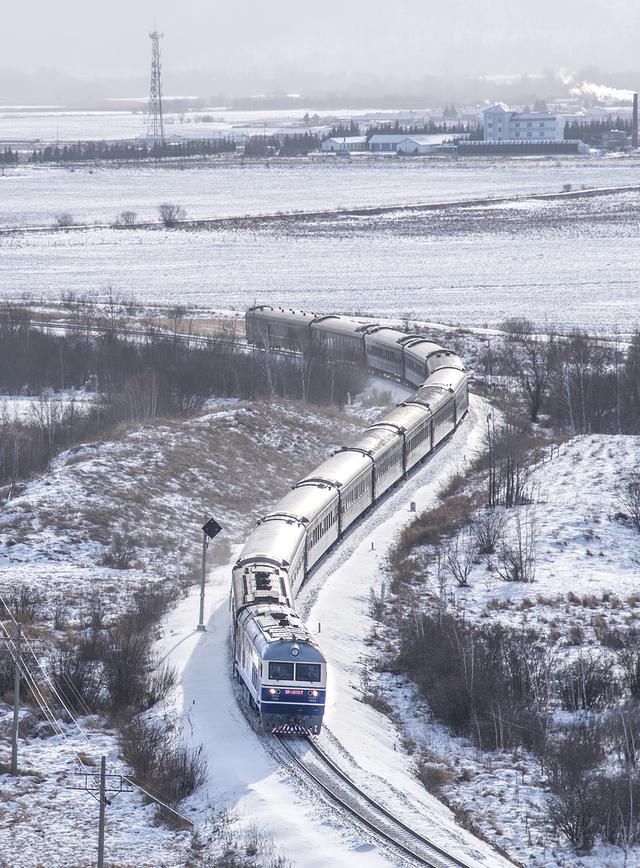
(155, 125)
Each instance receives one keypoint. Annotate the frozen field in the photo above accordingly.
(569, 263)
(53, 125)
(32, 195)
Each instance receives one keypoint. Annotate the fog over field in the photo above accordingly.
(318, 48)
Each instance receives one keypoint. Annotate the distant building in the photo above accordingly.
(344, 144)
(503, 125)
(381, 143)
(427, 144)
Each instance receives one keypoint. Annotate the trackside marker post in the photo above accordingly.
(210, 529)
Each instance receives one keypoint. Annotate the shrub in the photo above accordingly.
(63, 219)
(588, 684)
(120, 553)
(26, 604)
(170, 213)
(488, 530)
(161, 763)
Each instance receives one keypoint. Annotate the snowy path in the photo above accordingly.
(243, 774)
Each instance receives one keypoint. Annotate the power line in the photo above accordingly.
(148, 790)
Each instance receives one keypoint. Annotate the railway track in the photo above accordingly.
(341, 789)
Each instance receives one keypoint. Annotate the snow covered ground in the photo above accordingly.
(587, 560)
(32, 195)
(576, 265)
(23, 408)
(586, 580)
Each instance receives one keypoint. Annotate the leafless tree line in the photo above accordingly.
(137, 379)
(585, 384)
(502, 686)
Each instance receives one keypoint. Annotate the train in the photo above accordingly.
(275, 657)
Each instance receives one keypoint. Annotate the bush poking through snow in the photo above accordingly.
(588, 684)
(26, 604)
(121, 552)
(458, 558)
(632, 501)
(63, 219)
(162, 764)
(170, 213)
(516, 558)
(488, 529)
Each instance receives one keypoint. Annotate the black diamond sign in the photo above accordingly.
(211, 528)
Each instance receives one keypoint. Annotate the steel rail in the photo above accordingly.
(440, 853)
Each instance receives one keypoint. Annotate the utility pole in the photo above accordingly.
(16, 700)
(16, 657)
(210, 529)
(103, 799)
(112, 784)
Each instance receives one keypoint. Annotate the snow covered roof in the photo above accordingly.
(390, 138)
(349, 140)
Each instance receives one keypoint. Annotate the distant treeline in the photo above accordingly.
(139, 379)
(578, 129)
(91, 151)
(474, 131)
(8, 157)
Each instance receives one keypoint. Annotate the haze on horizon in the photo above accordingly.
(365, 46)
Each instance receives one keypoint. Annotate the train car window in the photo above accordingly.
(280, 671)
(308, 672)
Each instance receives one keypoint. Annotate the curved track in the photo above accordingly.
(328, 777)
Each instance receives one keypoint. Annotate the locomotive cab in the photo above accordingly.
(293, 687)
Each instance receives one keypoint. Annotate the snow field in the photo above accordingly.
(565, 276)
(33, 195)
(587, 576)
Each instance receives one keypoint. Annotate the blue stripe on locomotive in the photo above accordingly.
(291, 710)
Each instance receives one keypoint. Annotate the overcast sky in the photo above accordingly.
(301, 45)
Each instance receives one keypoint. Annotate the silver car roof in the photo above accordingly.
(386, 335)
(340, 325)
(341, 469)
(305, 501)
(405, 416)
(275, 540)
(374, 441)
(450, 377)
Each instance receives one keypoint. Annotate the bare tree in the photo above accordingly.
(631, 500)
(488, 530)
(458, 558)
(126, 218)
(516, 560)
(170, 213)
(529, 364)
(63, 219)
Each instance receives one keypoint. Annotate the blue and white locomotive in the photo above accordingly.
(275, 656)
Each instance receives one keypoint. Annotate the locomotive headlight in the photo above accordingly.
(295, 651)
(273, 691)
(313, 693)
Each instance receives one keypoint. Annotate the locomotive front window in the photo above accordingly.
(281, 671)
(308, 672)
